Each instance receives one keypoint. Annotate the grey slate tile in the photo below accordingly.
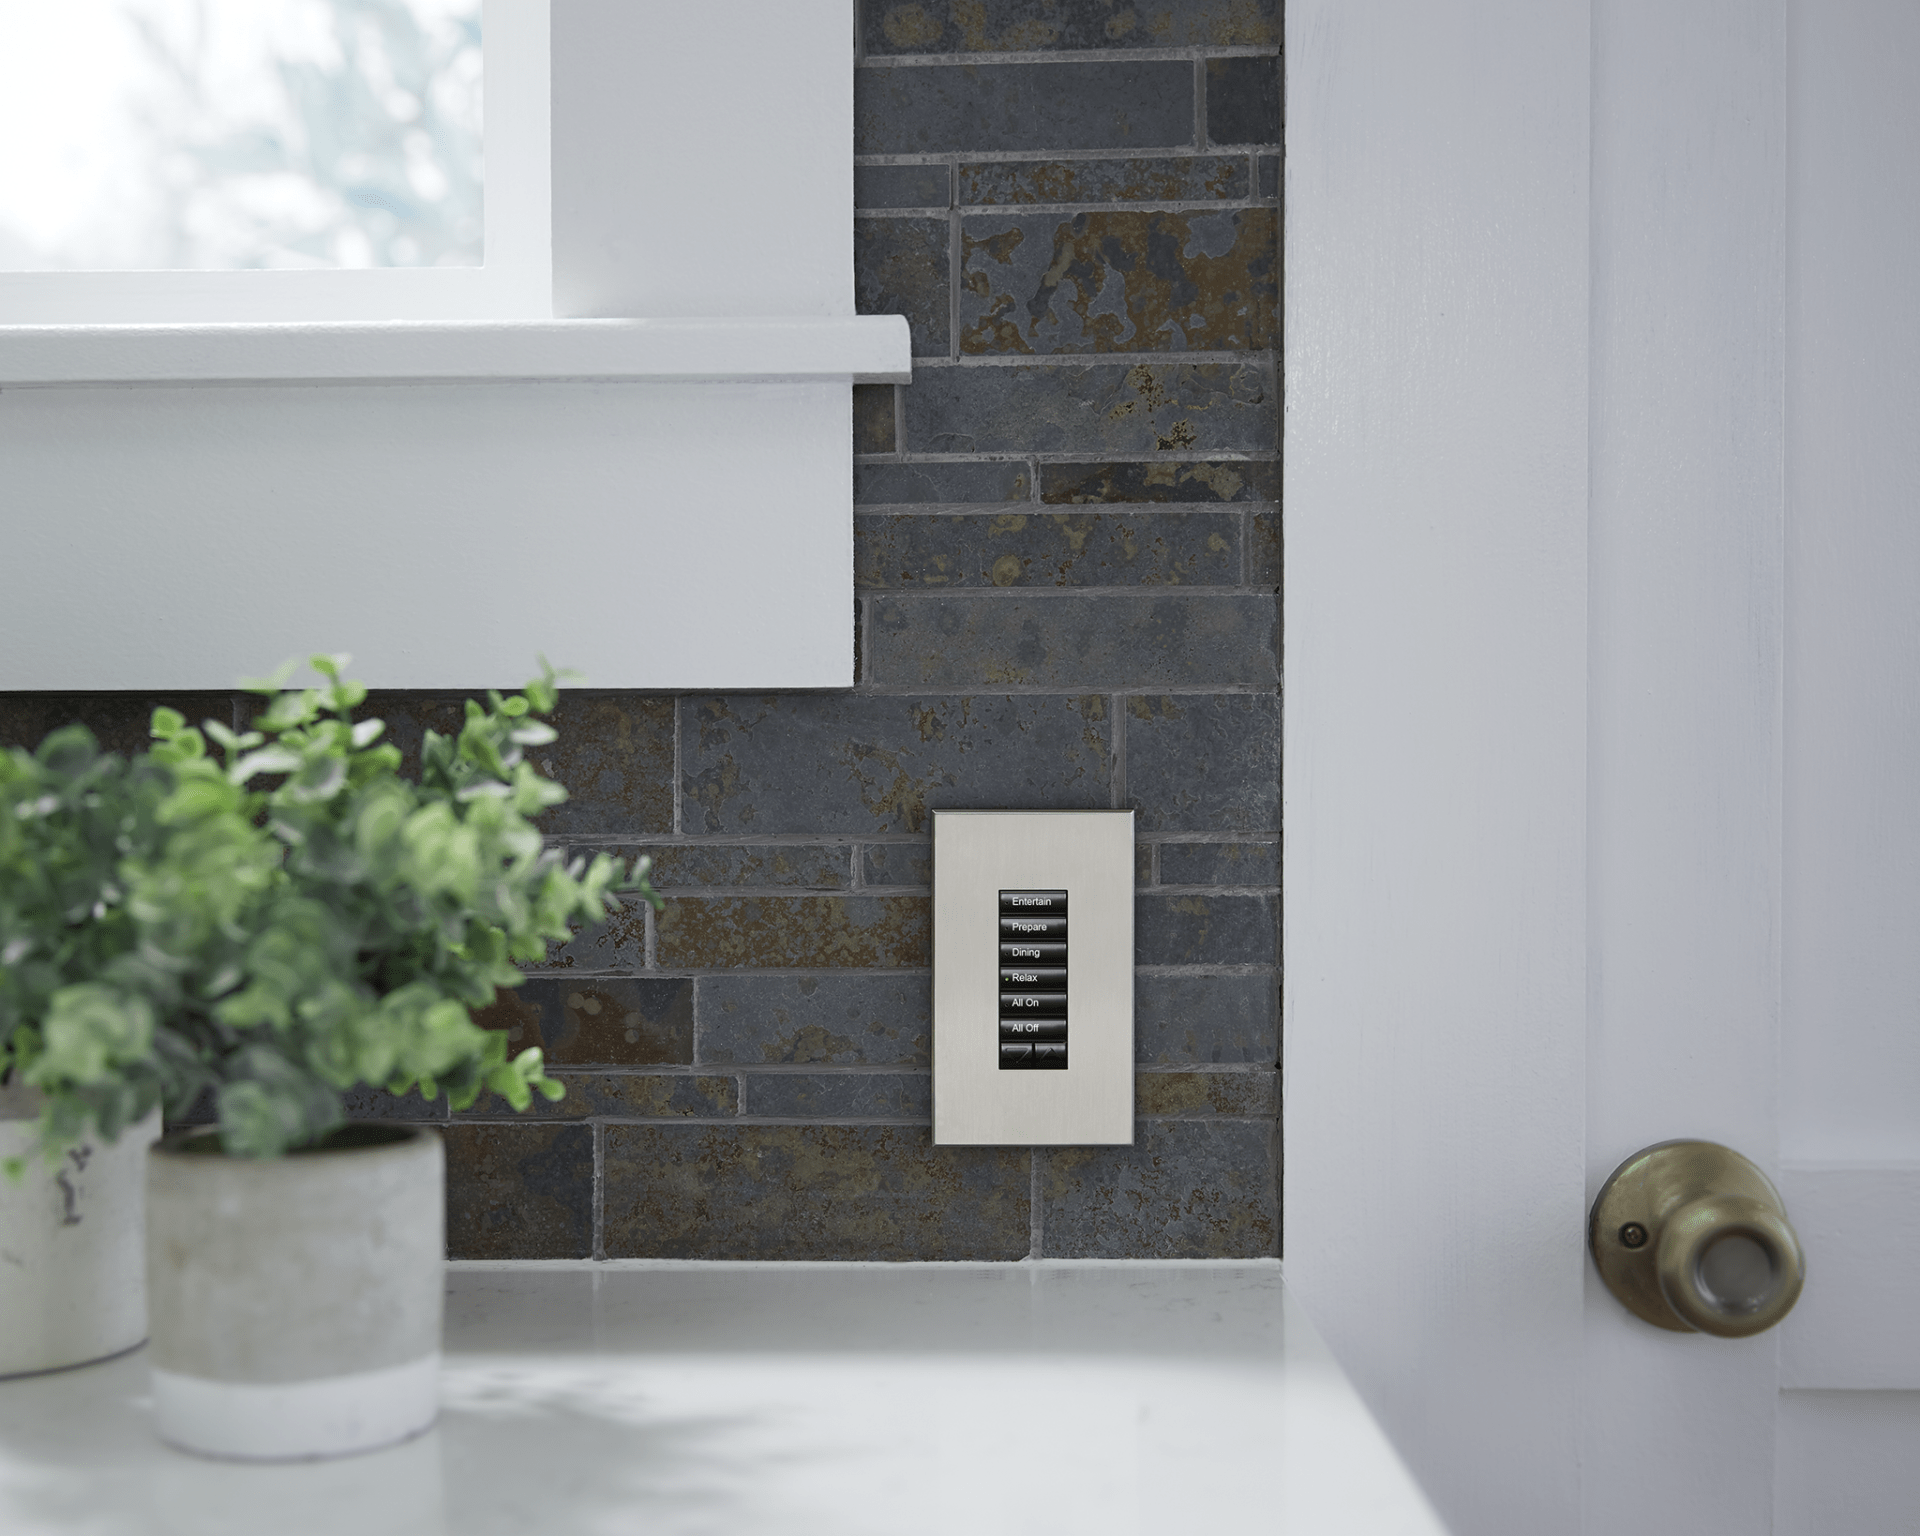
(1269, 176)
(1148, 281)
(900, 267)
(983, 108)
(614, 755)
(607, 1021)
(1200, 1019)
(521, 1191)
(622, 1096)
(843, 1020)
(901, 186)
(1186, 1189)
(989, 26)
(897, 863)
(852, 763)
(1248, 864)
(1232, 929)
(120, 722)
(875, 1192)
(804, 866)
(1118, 407)
(1204, 763)
(1000, 480)
(1109, 640)
(1152, 179)
(1265, 566)
(1161, 480)
(1243, 101)
(840, 1095)
(873, 418)
(1050, 549)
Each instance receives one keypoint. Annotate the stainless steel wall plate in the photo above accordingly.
(1033, 978)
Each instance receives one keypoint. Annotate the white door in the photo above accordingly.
(1603, 716)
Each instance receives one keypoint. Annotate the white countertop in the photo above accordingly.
(1053, 1398)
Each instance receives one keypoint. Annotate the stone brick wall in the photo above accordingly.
(1068, 556)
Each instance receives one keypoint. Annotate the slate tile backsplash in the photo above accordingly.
(1067, 561)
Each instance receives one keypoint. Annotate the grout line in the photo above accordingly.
(599, 1238)
(1199, 103)
(1127, 205)
(859, 873)
(973, 59)
(954, 257)
(650, 943)
(1246, 546)
(899, 421)
(677, 712)
(1048, 156)
(1035, 1220)
(1033, 482)
(1117, 790)
(1196, 359)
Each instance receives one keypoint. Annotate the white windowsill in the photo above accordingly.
(863, 349)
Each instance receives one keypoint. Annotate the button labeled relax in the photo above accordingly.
(1034, 978)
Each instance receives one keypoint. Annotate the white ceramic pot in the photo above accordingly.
(296, 1301)
(71, 1245)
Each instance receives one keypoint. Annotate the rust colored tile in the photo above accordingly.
(598, 1021)
(1161, 480)
(794, 932)
(810, 1192)
(520, 1191)
(1152, 281)
(1187, 1094)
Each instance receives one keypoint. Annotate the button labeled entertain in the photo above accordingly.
(1039, 903)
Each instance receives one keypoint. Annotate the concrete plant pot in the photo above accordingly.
(71, 1244)
(296, 1301)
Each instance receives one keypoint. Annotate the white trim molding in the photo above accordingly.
(860, 349)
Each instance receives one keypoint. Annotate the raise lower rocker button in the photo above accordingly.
(1015, 1056)
(1049, 1055)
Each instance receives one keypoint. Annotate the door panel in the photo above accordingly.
(1846, 1463)
(1854, 1326)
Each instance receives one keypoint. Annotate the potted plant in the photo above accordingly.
(293, 1258)
(116, 899)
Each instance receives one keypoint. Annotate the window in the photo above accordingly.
(273, 160)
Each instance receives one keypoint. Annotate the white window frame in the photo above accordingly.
(514, 281)
(663, 412)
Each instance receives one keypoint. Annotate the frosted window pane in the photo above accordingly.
(228, 134)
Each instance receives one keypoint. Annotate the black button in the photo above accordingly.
(1015, 1056)
(1033, 1005)
(1050, 1056)
(1032, 928)
(1034, 978)
(1038, 903)
(1033, 1029)
(1032, 954)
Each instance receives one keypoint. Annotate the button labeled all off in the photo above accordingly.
(1033, 1029)
(1033, 903)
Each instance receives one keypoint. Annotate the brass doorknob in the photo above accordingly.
(1691, 1236)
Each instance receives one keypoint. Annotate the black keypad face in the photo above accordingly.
(1033, 981)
